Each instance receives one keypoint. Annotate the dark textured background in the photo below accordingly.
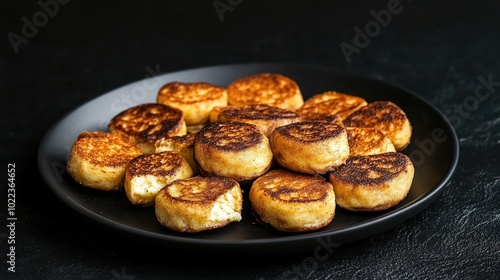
(437, 49)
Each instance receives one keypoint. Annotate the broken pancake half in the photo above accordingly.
(199, 203)
(149, 122)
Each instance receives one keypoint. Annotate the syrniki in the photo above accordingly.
(199, 203)
(195, 99)
(331, 104)
(147, 174)
(372, 183)
(230, 149)
(310, 147)
(386, 117)
(98, 159)
(292, 202)
(149, 122)
(265, 88)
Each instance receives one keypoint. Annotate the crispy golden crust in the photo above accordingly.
(158, 164)
(265, 117)
(199, 204)
(331, 103)
(229, 136)
(147, 174)
(184, 145)
(232, 149)
(310, 147)
(148, 122)
(195, 99)
(292, 202)
(265, 88)
(372, 183)
(367, 141)
(386, 117)
(98, 159)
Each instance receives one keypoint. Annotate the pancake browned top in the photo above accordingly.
(371, 170)
(366, 140)
(265, 88)
(189, 93)
(148, 122)
(198, 190)
(257, 112)
(331, 103)
(291, 186)
(105, 149)
(229, 136)
(158, 164)
(384, 115)
(310, 131)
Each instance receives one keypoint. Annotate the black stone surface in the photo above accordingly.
(57, 55)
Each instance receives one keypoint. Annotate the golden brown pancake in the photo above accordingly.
(147, 174)
(265, 88)
(98, 159)
(195, 99)
(372, 183)
(331, 103)
(149, 122)
(310, 147)
(292, 202)
(199, 204)
(230, 149)
(386, 117)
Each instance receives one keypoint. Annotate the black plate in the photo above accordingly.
(433, 150)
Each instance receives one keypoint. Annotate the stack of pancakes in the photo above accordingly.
(192, 154)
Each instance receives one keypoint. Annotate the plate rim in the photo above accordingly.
(394, 218)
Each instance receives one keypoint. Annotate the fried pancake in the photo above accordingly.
(265, 117)
(331, 103)
(195, 99)
(265, 88)
(292, 202)
(372, 183)
(184, 145)
(98, 159)
(310, 147)
(199, 204)
(386, 117)
(149, 122)
(365, 141)
(230, 149)
(147, 174)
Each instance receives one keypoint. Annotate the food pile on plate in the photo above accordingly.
(195, 152)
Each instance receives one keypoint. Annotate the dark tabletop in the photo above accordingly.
(57, 55)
